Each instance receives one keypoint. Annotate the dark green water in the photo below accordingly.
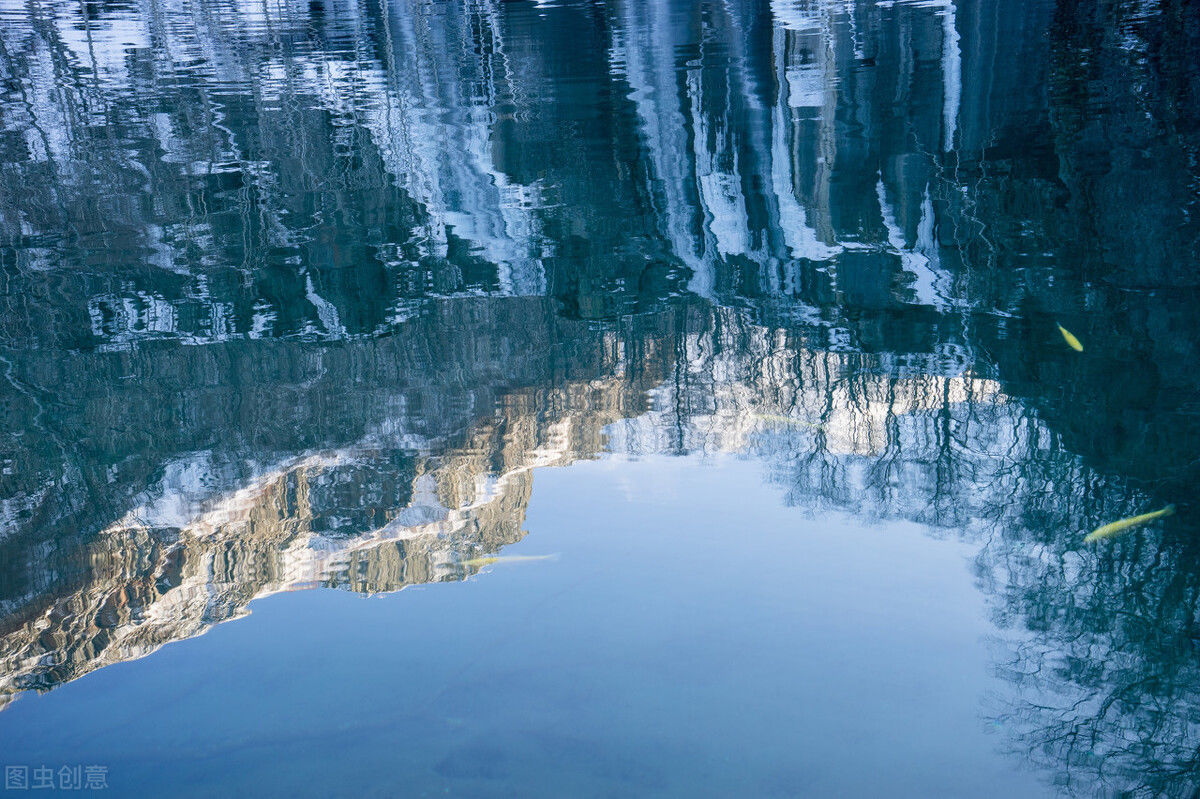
(746, 312)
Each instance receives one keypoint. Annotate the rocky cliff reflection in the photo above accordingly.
(300, 297)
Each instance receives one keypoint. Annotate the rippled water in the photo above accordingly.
(746, 313)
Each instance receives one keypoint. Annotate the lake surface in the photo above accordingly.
(731, 385)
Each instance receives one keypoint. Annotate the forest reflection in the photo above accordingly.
(300, 296)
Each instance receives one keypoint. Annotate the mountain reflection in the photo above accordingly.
(300, 295)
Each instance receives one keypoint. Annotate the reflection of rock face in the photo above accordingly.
(391, 508)
(208, 420)
(151, 586)
(395, 508)
(183, 562)
(291, 297)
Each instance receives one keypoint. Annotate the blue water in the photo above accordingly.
(807, 340)
(677, 644)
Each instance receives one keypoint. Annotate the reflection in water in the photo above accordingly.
(299, 295)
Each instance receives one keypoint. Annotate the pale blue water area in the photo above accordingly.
(679, 643)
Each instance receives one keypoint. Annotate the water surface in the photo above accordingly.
(746, 312)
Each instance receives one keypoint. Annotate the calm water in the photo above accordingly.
(745, 314)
